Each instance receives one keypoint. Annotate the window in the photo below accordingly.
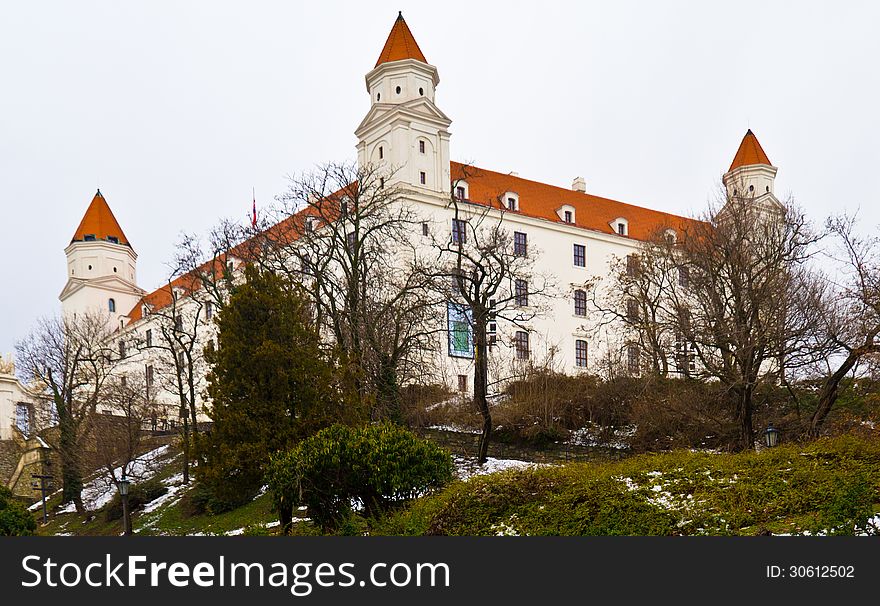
(521, 343)
(89, 238)
(633, 264)
(310, 226)
(121, 349)
(580, 303)
(113, 239)
(519, 244)
(457, 280)
(351, 239)
(511, 204)
(149, 376)
(178, 323)
(633, 359)
(684, 276)
(462, 383)
(397, 90)
(424, 229)
(621, 229)
(580, 353)
(421, 92)
(685, 357)
(632, 310)
(111, 305)
(493, 327)
(459, 192)
(568, 216)
(209, 310)
(23, 418)
(381, 152)
(114, 270)
(381, 182)
(421, 147)
(492, 309)
(459, 231)
(181, 360)
(580, 255)
(123, 380)
(521, 292)
(149, 337)
(459, 328)
(423, 178)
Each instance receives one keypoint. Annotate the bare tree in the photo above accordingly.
(178, 335)
(119, 435)
(68, 361)
(849, 318)
(485, 274)
(743, 308)
(348, 238)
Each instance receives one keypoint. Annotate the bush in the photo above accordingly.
(138, 496)
(15, 520)
(376, 466)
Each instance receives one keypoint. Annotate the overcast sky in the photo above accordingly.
(177, 109)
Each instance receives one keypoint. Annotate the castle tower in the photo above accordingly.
(751, 176)
(101, 267)
(404, 131)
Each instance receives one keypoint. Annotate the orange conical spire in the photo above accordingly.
(99, 223)
(400, 44)
(749, 152)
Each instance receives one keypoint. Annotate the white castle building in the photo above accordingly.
(574, 235)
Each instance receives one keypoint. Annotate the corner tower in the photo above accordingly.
(751, 175)
(101, 267)
(404, 131)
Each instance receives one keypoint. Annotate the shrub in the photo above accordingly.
(376, 466)
(138, 496)
(15, 520)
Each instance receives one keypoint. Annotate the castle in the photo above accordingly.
(574, 235)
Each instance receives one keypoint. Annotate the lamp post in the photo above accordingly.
(771, 436)
(124, 485)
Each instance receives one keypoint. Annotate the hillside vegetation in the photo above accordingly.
(828, 487)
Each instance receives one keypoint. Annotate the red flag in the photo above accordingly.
(254, 218)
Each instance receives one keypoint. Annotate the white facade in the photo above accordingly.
(405, 131)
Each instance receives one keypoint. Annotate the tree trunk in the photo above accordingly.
(744, 411)
(388, 392)
(71, 475)
(185, 418)
(828, 395)
(481, 386)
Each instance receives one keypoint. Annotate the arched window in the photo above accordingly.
(111, 305)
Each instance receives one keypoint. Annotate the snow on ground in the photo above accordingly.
(454, 428)
(175, 485)
(591, 436)
(466, 467)
(98, 492)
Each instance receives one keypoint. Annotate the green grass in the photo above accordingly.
(830, 486)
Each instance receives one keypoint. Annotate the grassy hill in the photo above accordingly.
(826, 487)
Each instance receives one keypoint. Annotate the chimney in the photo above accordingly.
(579, 184)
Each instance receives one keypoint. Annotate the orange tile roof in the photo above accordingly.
(99, 222)
(541, 201)
(750, 152)
(400, 44)
(537, 200)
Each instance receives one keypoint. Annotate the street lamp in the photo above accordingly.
(124, 485)
(771, 436)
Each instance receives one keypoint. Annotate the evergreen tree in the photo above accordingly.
(271, 385)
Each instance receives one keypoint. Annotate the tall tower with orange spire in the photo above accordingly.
(101, 267)
(751, 175)
(404, 131)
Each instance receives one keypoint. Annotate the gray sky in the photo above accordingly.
(177, 109)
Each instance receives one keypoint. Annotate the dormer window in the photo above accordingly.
(511, 201)
(620, 226)
(566, 213)
(89, 238)
(113, 239)
(459, 193)
(461, 190)
(670, 236)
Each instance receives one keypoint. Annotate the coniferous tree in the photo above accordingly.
(271, 384)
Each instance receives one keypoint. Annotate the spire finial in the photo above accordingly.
(400, 14)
